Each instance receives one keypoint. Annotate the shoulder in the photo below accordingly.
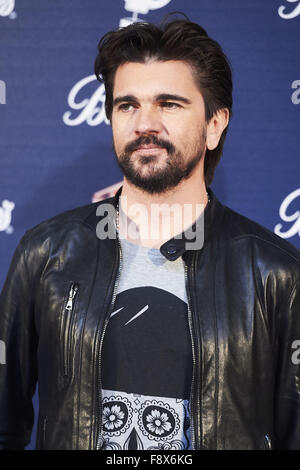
(243, 227)
(59, 227)
(264, 249)
(273, 259)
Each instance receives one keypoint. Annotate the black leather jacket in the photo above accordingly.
(244, 315)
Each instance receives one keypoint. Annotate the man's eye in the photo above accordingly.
(169, 105)
(126, 107)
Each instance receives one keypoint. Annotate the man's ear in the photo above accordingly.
(215, 127)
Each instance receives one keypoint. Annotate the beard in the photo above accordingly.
(156, 178)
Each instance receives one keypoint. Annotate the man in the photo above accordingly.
(147, 329)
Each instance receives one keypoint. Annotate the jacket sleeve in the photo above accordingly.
(18, 360)
(287, 387)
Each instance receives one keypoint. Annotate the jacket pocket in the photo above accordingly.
(267, 442)
(67, 322)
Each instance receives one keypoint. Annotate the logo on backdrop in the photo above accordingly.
(6, 215)
(293, 219)
(287, 13)
(92, 110)
(141, 7)
(296, 95)
(7, 8)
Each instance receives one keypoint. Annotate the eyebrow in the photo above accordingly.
(170, 97)
(160, 97)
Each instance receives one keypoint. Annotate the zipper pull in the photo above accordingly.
(72, 293)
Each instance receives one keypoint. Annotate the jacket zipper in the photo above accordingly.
(99, 441)
(69, 310)
(193, 351)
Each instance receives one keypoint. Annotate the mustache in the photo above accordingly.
(147, 140)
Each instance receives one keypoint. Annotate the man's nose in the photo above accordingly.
(148, 121)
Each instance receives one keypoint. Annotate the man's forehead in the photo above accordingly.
(154, 77)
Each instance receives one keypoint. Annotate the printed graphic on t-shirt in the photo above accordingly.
(146, 372)
(139, 422)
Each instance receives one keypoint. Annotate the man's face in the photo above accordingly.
(158, 123)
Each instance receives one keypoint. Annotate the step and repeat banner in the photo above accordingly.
(55, 141)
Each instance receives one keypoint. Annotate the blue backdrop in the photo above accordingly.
(55, 142)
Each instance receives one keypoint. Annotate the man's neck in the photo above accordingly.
(152, 219)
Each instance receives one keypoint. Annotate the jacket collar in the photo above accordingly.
(193, 239)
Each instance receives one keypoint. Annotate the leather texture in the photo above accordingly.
(244, 298)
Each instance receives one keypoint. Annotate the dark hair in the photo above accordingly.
(176, 40)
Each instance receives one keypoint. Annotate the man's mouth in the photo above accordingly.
(148, 148)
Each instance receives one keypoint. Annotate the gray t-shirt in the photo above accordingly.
(147, 356)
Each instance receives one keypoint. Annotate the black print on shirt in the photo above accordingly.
(147, 345)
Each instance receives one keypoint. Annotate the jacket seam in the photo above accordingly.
(46, 264)
(264, 310)
(292, 293)
(255, 281)
(24, 255)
